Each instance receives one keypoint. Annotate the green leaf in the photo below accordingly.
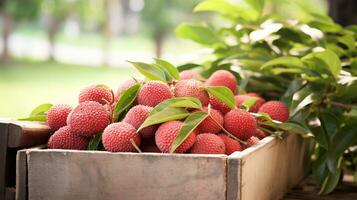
(258, 5)
(199, 33)
(178, 102)
(95, 142)
(295, 127)
(126, 100)
(347, 40)
(329, 58)
(187, 66)
(248, 103)
(41, 109)
(330, 182)
(165, 115)
(288, 61)
(223, 94)
(170, 69)
(38, 118)
(191, 122)
(309, 99)
(151, 72)
(330, 124)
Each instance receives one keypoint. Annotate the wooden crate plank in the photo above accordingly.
(271, 169)
(10, 193)
(104, 175)
(233, 176)
(3, 152)
(21, 175)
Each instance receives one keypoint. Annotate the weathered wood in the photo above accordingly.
(21, 175)
(10, 193)
(61, 174)
(26, 134)
(270, 168)
(3, 154)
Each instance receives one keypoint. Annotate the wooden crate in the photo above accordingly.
(265, 171)
(15, 135)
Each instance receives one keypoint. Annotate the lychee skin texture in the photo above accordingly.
(167, 133)
(218, 105)
(136, 116)
(116, 137)
(153, 93)
(189, 74)
(260, 134)
(213, 123)
(258, 103)
(240, 123)
(231, 144)
(57, 116)
(63, 138)
(208, 143)
(223, 78)
(277, 110)
(191, 88)
(251, 141)
(96, 93)
(88, 118)
(124, 86)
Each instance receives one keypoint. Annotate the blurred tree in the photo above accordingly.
(15, 10)
(343, 11)
(161, 16)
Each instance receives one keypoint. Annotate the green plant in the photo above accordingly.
(310, 64)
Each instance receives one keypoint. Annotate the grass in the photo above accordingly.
(26, 84)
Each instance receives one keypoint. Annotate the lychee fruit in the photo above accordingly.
(116, 137)
(231, 144)
(124, 86)
(167, 133)
(88, 118)
(96, 93)
(251, 141)
(57, 116)
(258, 103)
(136, 116)
(277, 110)
(260, 134)
(153, 93)
(223, 78)
(208, 143)
(240, 123)
(63, 138)
(218, 105)
(213, 123)
(189, 74)
(191, 88)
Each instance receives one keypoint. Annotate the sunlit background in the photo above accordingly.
(53, 48)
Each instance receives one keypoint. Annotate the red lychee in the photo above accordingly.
(63, 138)
(218, 105)
(251, 141)
(124, 86)
(189, 74)
(166, 134)
(242, 97)
(191, 88)
(88, 118)
(223, 78)
(116, 137)
(277, 110)
(260, 134)
(240, 123)
(213, 123)
(136, 116)
(57, 116)
(100, 94)
(153, 93)
(231, 144)
(208, 143)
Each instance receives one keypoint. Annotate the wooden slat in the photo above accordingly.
(25, 134)
(63, 174)
(21, 175)
(3, 152)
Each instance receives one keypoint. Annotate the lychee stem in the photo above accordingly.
(135, 146)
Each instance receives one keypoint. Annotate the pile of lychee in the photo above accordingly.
(224, 131)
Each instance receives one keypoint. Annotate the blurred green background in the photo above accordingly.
(51, 49)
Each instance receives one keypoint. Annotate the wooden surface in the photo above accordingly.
(307, 190)
(3, 158)
(63, 174)
(270, 169)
